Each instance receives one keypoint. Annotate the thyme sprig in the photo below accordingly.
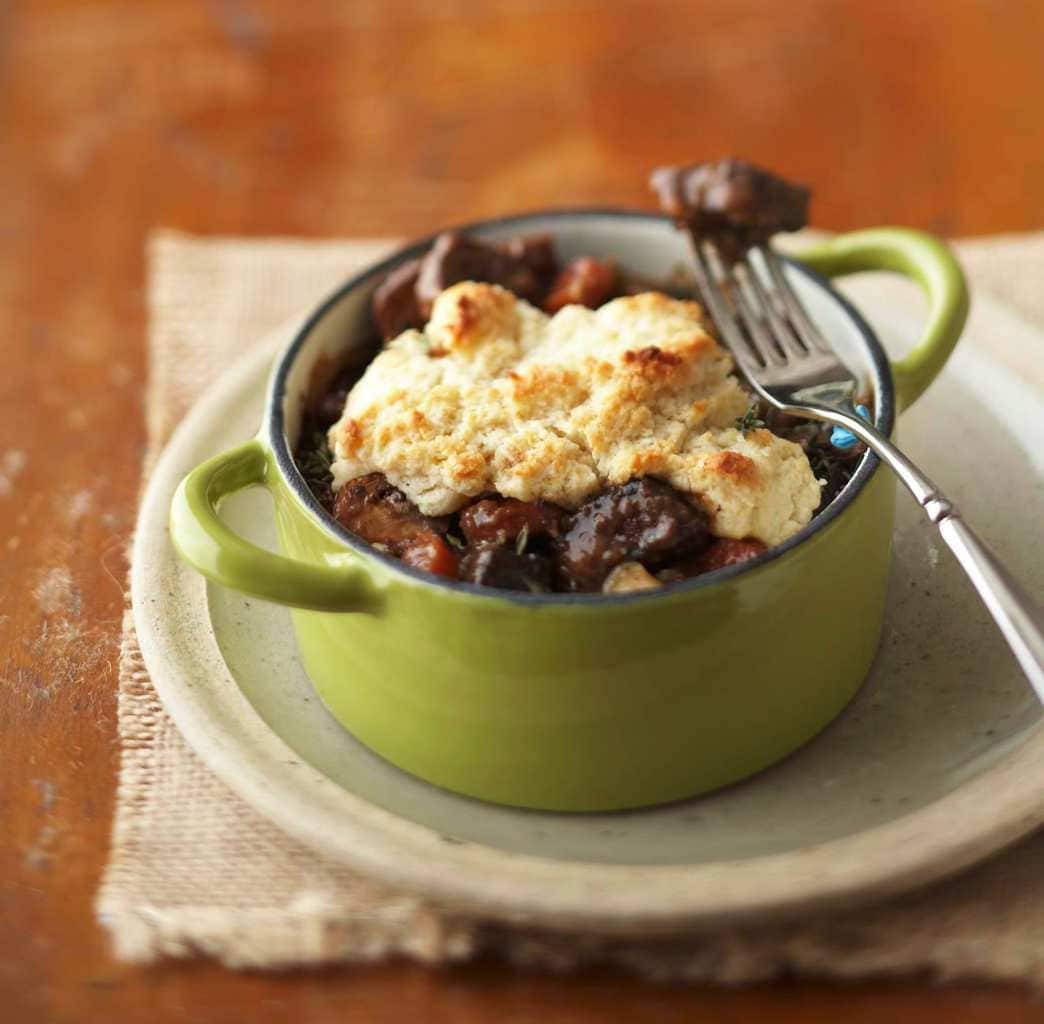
(315, 458)
(750, 420)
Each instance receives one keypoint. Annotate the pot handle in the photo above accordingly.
(206, 543)
(924, 259)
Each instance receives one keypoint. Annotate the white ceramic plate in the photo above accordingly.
(938, 762)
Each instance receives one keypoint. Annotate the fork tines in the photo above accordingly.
(761, 318)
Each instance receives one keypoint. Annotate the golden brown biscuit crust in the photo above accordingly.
(494, 395)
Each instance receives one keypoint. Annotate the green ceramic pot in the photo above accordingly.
(585, 702)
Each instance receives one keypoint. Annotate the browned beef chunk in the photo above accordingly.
(494, 565)
(456, 257)
(501, 520)
(380, 513)
(430, 553)
(724, 551)
(583, 282)
(330, 406)
(537, 252)
(733, 202)
(525, 265)
(395, 306)
(644, 520)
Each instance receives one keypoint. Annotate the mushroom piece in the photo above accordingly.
(628, 577)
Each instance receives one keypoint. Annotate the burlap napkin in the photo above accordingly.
(193, 870)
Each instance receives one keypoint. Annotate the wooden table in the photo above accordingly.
(370, 118)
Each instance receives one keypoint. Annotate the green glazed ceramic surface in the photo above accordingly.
(587, 703)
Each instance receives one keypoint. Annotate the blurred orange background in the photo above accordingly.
(391, 118)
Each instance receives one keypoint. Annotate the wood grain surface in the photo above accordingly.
(391, 117)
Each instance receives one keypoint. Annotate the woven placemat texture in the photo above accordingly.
(195, 871)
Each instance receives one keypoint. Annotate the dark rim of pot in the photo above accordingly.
(868, 464)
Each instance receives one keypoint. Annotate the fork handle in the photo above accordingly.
(1012, 609)
(1020, 619)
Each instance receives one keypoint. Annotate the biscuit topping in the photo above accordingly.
(493, 395)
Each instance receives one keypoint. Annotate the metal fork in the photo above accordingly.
(793, 367)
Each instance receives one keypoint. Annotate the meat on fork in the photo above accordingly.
(731, 202)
